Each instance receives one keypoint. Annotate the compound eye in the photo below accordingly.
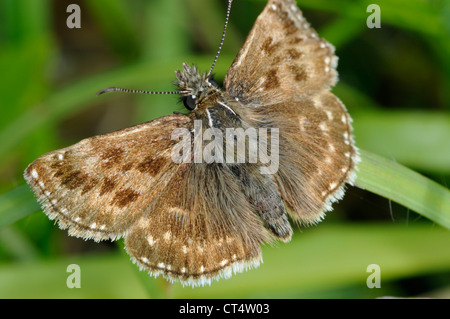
(189, 102)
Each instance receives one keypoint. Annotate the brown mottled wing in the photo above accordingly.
(188, 222)
(282, 55)
(102, 185)
(202, 228)
(283, 75)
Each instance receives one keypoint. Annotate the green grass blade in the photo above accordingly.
(415, 138)
(17, 245)
(404, 186)
(17, 204)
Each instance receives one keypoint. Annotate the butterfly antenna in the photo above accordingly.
(114, 89)
(223, 37)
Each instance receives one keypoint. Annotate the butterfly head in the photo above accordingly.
(195, 87)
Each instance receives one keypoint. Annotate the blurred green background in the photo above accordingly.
(395, 82)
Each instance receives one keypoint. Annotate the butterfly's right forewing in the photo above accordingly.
(99, 187)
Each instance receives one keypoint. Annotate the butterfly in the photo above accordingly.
(193, 222)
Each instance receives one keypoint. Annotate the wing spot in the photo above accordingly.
(302, 122)
(294, 40)
(167, 235)
(125, 197)
(289, 27)
(272, 81)
(329, 114)
(127, 167)
(269, 47)
(151, 165)
(112, 153)
(89, 184)
(34, 174)
(74, 179)
(293, 54)
(151, 241)
(62, 169)
(107, 187)
(299, 72)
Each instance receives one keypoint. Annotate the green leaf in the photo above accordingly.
(417, 139)
(17, 204)
(404, 186)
